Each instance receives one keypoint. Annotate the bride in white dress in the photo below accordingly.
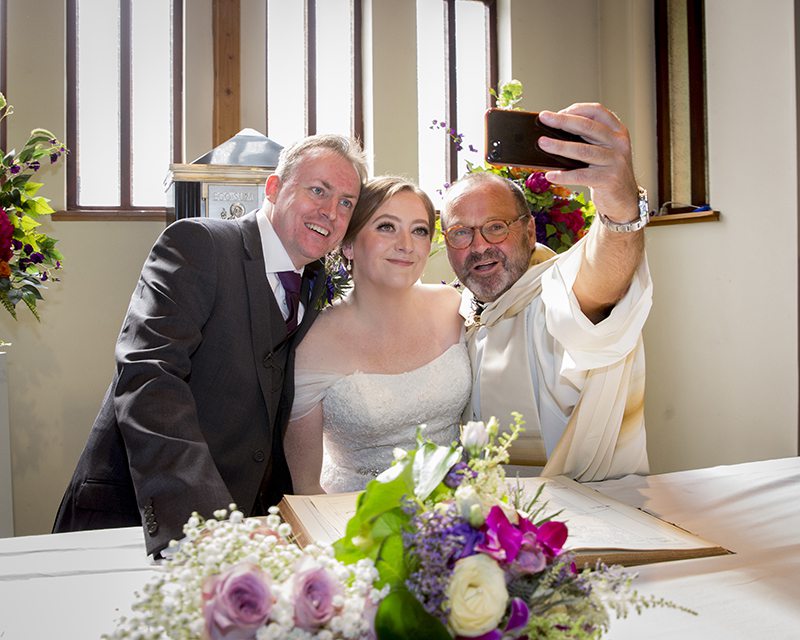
(387, 357)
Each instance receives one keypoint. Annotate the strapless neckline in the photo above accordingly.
(367, 415)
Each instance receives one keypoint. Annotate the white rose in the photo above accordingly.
(477, 595)
(474, 437)
(469, 505)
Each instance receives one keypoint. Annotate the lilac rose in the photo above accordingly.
(237, 602)
(313, 594)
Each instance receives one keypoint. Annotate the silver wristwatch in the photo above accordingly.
(633, 225)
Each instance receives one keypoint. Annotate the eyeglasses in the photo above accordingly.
(493, 231)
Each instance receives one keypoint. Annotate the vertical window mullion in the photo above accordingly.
(3, 66)
(72, 104)
(356, 70)
(311, 67)
(492, 71)
(125, 106)
(177, 80)
(451, 96)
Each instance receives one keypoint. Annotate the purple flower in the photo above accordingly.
(237, 602)
(34, 164)
(457, 474)
(551, 535)
(6, 241)
(43, 277)
(53, 158)
(37, 258)
(531, 557)
(15, 169)
(537, 183)
(503, 540)
(28, 249)
(16, 244)
(313, 594)
(435, 541)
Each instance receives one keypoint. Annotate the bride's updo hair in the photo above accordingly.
(377, 191)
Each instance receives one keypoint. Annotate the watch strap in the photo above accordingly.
(633, 225)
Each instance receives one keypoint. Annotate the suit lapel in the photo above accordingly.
(267, 326)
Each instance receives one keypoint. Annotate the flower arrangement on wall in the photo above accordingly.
(28, 257)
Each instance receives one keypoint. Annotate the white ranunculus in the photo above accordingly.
(477, 595)
(474, 437)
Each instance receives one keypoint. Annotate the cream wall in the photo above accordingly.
(721, 341)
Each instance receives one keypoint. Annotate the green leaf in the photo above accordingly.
(40, 206)
(28, 224)
(400, 616)
(8, 305)
(365, 531)
(391, 561)
(31, 188)
(431, 464)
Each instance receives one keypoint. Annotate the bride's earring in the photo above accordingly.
(347, 259)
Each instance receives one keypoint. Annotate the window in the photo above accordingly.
(123, 104)
(457, 50)
(313, 68)
(681, 111)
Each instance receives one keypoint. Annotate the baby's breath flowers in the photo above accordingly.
(236, 577)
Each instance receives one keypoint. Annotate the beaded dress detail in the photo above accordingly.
(367, 415)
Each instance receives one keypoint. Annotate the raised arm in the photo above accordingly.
(610, 257)
(302, 445)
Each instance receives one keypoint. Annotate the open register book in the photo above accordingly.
(600, 527)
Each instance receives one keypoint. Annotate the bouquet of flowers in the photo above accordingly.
(467, 556)
(234, 578)
(562, 216)
(27, 256)
(440, 546)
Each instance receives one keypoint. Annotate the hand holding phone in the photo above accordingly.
(512, 138)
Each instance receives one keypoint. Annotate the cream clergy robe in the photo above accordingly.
(579, 386)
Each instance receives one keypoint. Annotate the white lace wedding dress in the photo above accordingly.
(367, 415)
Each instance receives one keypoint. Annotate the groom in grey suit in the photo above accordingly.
(204, 381)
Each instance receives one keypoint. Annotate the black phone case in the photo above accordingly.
(512, 138)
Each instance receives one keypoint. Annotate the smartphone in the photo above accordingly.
(512, 138)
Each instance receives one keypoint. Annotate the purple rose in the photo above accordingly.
(313, 594)
(237, 602)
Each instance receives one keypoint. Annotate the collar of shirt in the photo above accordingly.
(275, 259)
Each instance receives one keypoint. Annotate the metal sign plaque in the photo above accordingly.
(229, 201)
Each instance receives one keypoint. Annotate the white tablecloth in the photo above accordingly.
(75, 585)
(752, 509)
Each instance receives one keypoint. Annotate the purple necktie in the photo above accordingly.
(291, 286)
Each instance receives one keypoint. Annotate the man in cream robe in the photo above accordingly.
(558, 338)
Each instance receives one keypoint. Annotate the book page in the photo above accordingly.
(324, 516)
(596, 521)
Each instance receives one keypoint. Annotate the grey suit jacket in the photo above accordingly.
(204, 382)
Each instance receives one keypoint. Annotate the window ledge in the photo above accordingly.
(683, 218)
(111, 215)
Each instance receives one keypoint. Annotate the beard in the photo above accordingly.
(490, 287)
